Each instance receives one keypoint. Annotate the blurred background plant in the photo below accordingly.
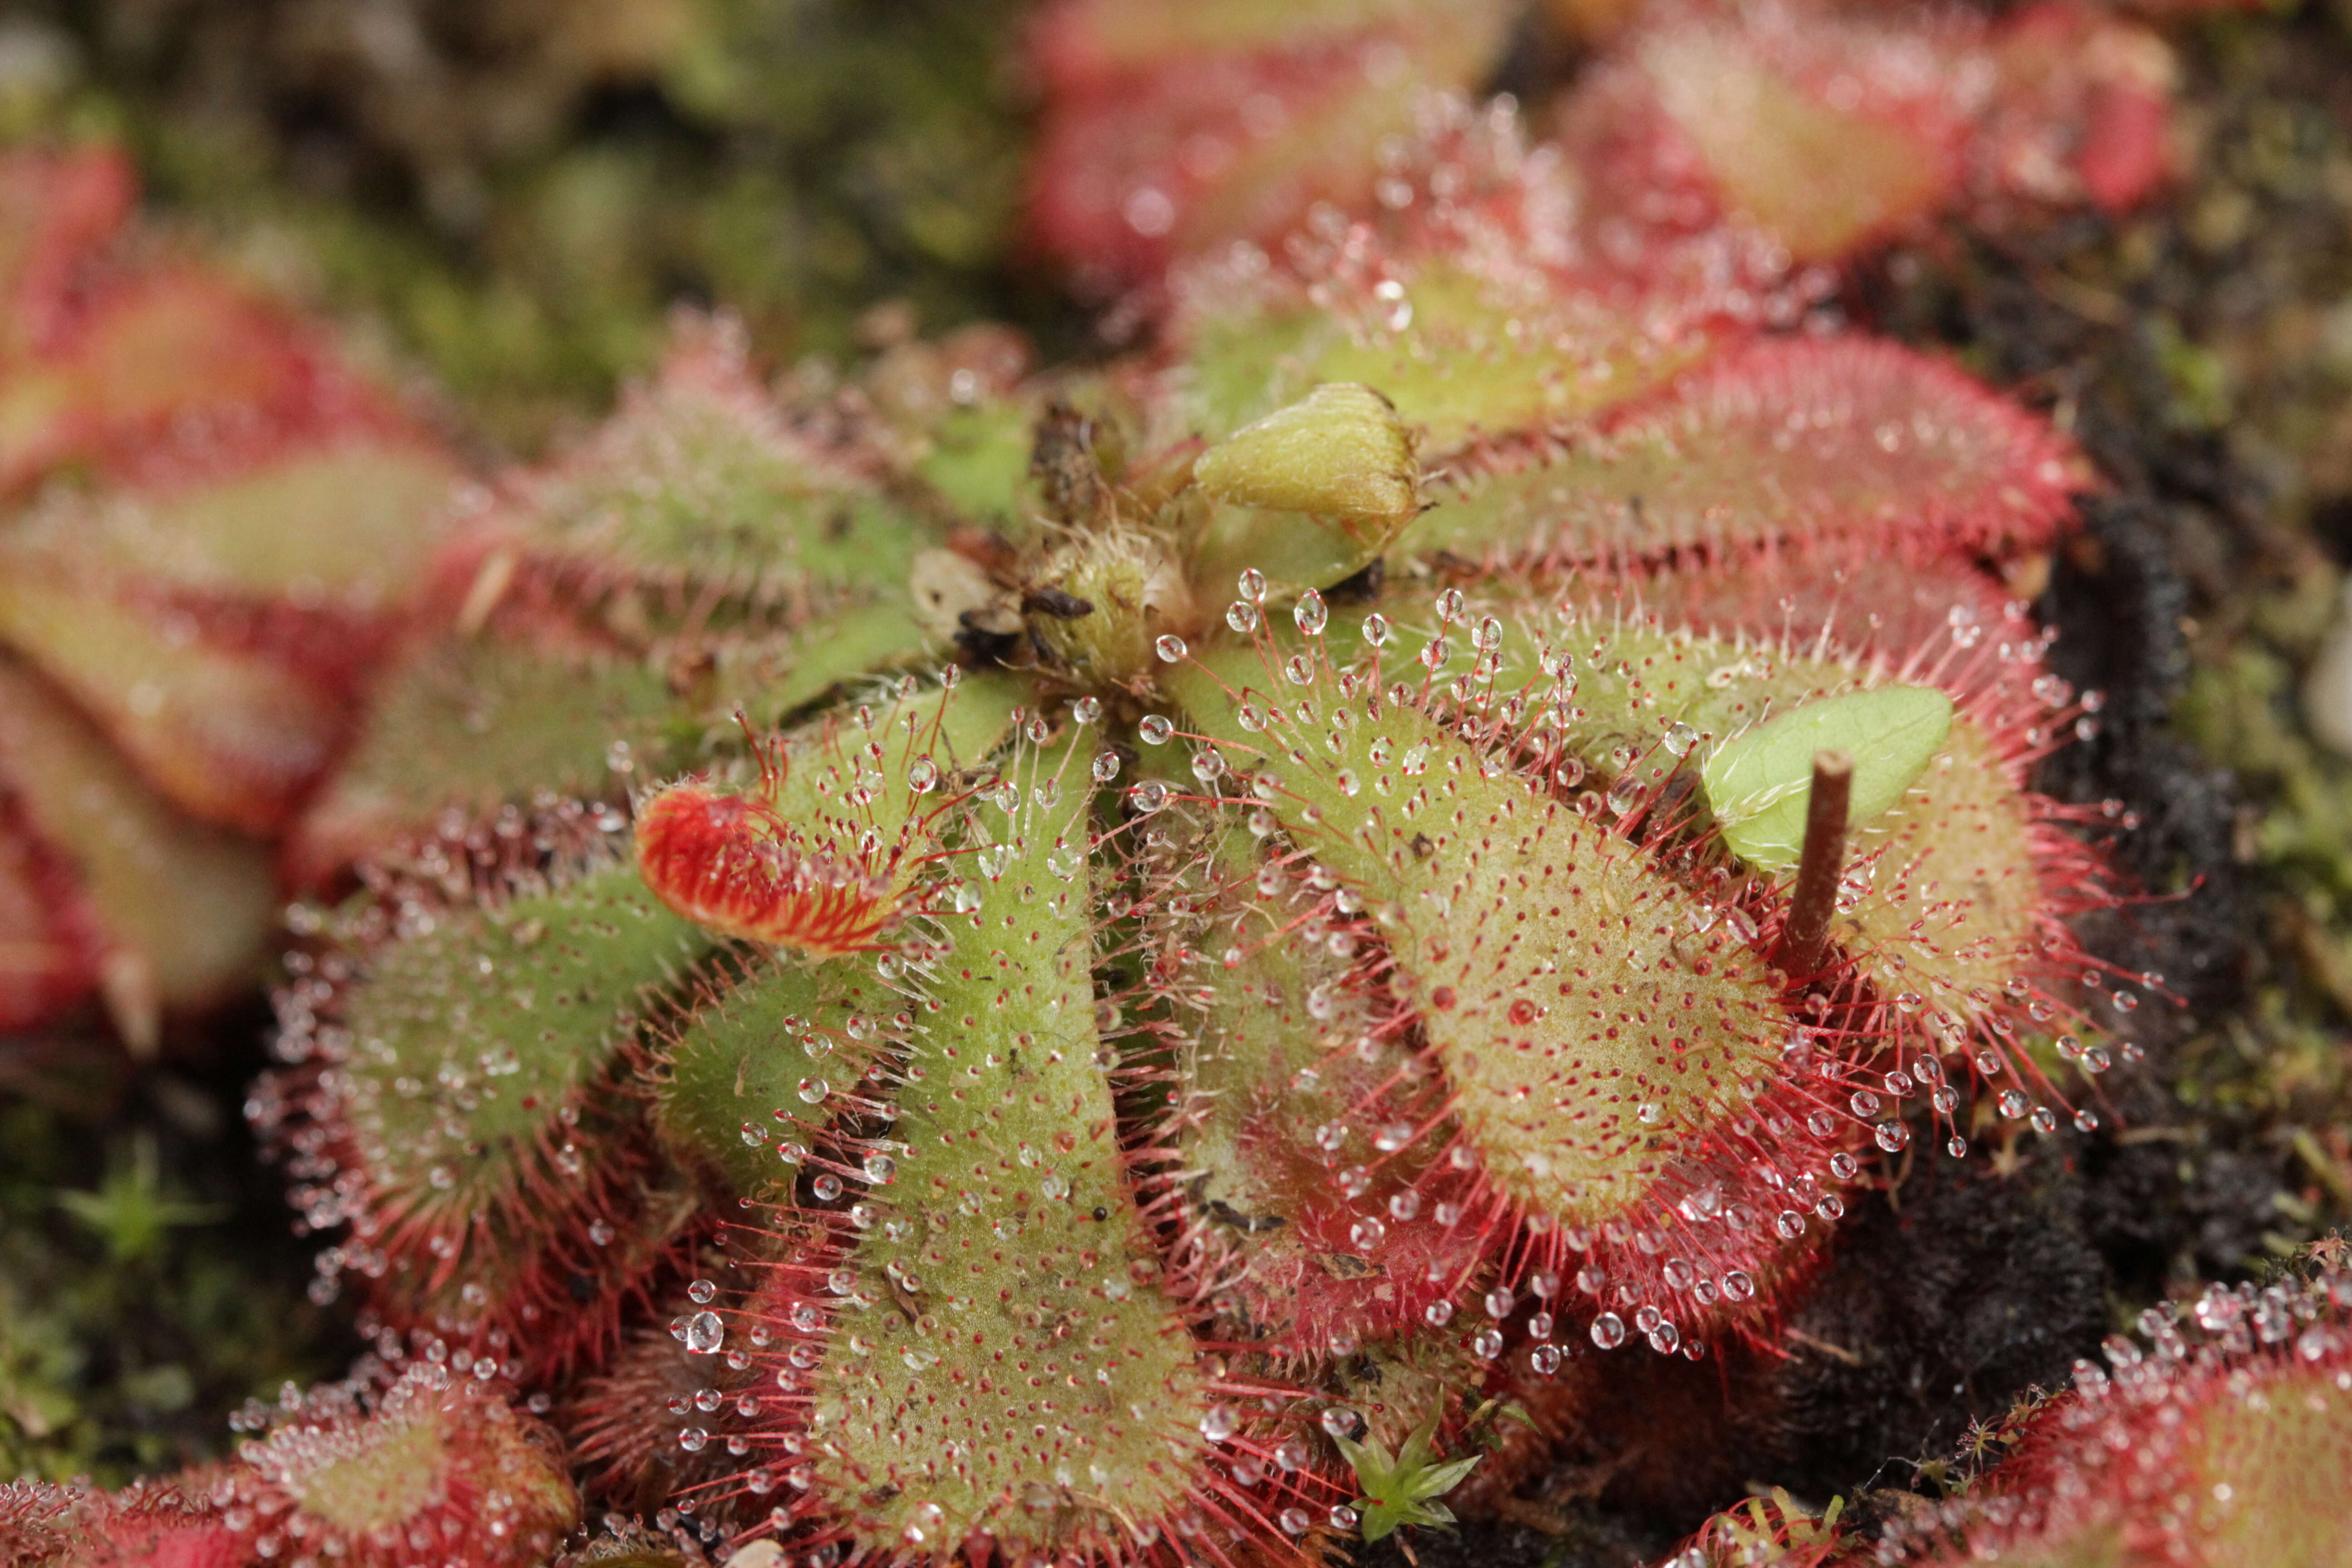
(514, 193)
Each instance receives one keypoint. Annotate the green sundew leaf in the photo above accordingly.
(497, 1017)
(1459, 369)
(701, 474)
(734, 1062)
(472, 723)
(1759, 782)
(1822, 181)
(1049, 1249)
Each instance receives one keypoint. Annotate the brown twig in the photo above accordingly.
(1813, 904)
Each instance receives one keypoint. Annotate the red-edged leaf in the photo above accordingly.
(1788, 439)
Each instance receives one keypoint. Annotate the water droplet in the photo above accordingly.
(701, 1291)
(1367, 1234)
(1241, 615)
(1680, 738)
(1169, 648)
(1343, 1518)
(922, 775)
(1608, 1330)
(2013, 1103)
(1892, 1135)
(826, 1187)
(1790, 1224)
(1147, 796)
(1252, 584)
(1738, 1287)
(1665, 1338)
(813, 1090)
(1219, 1423)
(1376, 630)
(693, 1439)
(878, 1167)
(1106, 766)
(1449, 604)
(1294, 1520)
(1311, 614)
(704, 1333)
(1341, 1421)
(1487, 635)
(1487, 1344)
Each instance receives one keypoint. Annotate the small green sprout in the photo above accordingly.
(130, 1211)
(1404, 1490)
(1757, 781)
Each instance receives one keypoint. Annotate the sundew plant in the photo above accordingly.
(1181, 959)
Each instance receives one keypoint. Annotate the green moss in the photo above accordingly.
(141, 1295)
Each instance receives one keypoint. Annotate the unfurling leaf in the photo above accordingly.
(1760, 781)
